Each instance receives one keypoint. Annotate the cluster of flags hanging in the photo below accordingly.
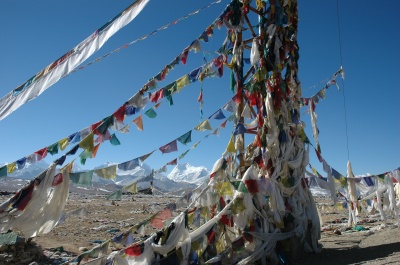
(134, 105)
(176, 21)
(38, 83)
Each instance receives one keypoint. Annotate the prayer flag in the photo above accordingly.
(115, 196)
(3, 171)
(53, 149)
(218, 115)
(87, 143)
(205, 125)
(182, 82)
(173, 162)
(95, 149)
(107, 172)
(38, 83)
(231, 145)
(42, 153)
(82, 178)
(129, 165)
(144, 157)
(186, 138)
(114, 140)
(132, 188)
(157, 96)
(119, 115)
(151, 113)
(183, 154)
(63, 143)
(21, 163)
(168, 148)
(11, 167)
(139, 122)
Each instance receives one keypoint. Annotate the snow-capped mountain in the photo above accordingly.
(182, 177)
(189, 174)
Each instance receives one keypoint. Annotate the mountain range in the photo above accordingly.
(180, 179)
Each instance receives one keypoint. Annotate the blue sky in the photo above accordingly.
(34, 34)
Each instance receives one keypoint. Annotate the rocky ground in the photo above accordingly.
(96, 219)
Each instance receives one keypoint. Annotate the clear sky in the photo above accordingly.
(34, 34)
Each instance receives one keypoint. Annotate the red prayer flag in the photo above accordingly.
(120, 113)
(252, 185)
(42, 153)
(135, 250)
(57, 179)
(157, 95)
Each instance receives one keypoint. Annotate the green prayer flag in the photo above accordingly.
(116, 196)
(53, 149)
(186, 138)
(233, 81)
(3, 171)
(183, 154)
(85, 155)
(151, 113)
(107, 122)
(82, 178)
(114, 140)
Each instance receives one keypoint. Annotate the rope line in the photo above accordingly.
(341, 66)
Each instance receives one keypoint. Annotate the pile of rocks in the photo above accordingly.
(21, 252)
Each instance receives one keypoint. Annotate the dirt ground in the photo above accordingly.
(100, 219)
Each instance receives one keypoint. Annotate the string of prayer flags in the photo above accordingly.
(170, 147)
(37, 84)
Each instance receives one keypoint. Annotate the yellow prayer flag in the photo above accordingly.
(205, 125)
(220, 245)
(204, 212)
(190, 218)
(107, 172)
(63, 143)
(68, 167)
(11, 167)
(231, 146)
(88, 142)
(132, 188)
(224, 189)
(182, 82)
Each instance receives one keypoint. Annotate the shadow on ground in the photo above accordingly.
(353, 255)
